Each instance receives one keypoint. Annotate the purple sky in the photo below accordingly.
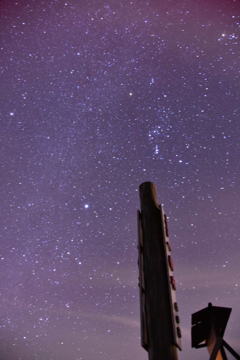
(97, 97)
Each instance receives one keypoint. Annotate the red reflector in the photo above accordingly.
(173, 283)
(166, 224)
(176, 306)
(179, 334)
(168, 246)
(177, 319)
(170, 263)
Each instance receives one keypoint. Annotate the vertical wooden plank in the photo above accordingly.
(160, 331)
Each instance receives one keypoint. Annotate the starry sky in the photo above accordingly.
(97, 97)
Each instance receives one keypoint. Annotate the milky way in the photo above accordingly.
(96, 98)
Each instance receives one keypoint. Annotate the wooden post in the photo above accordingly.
(214, 345)
(160, 331)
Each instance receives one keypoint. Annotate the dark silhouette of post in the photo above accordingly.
(160, 331)
(208, 327)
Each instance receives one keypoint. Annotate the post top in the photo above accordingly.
(148, 194)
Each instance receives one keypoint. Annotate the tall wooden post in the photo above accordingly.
(160, 331)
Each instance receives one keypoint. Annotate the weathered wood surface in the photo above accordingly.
(159, 330)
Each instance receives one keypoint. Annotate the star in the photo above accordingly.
(105, 97)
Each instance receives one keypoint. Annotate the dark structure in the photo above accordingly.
(160, 331)
(208, 327)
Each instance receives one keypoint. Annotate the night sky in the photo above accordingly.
(97, 97)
